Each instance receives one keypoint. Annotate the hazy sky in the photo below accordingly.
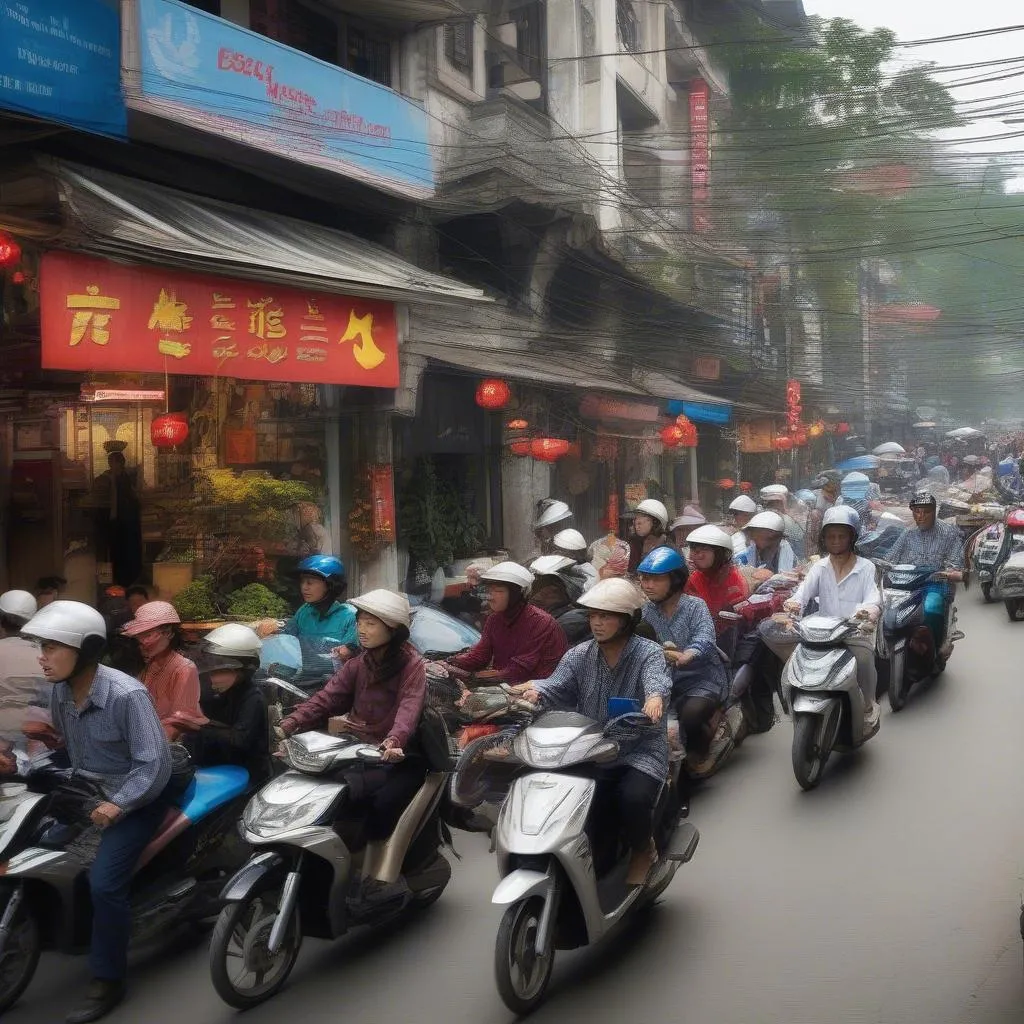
(927, 19)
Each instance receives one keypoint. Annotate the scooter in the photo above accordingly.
(913, 611)
(559, 889)
(47, 844)
(820, 682)
(983, 551)
(1009, 586)
(299, 879)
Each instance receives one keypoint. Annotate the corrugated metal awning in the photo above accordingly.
(127, 219)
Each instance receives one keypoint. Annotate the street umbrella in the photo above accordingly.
(890, 448)
(962, 433)
(859, 463)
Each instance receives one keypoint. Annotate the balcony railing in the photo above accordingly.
(628, 23)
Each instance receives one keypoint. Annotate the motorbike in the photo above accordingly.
(913, 614)
(299, 879)
(47, 843)
(827, 706)
(562, 881)
(1009, 584)
(983, 551)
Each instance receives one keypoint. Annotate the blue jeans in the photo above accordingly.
(110, 880)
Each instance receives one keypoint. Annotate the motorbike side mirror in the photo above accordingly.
(371, 755)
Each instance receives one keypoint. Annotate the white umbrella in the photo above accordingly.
(963, 432)
(890, 448)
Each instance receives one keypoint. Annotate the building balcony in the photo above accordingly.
(508, 152)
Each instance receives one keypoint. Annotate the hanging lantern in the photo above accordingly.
(493, 393)
(782, 443)
(746, 486)
(519, 447)
(517, 425)
(689, 438)
(842, 429)
(816, 429)
(10, 251)
(672, 435)
(549, 449)
(726, 484)
(169, 430)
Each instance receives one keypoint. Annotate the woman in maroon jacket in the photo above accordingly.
(380, 692)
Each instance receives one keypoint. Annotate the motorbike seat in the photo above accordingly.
(212, 788)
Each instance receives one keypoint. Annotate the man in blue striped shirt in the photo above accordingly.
(114, 737)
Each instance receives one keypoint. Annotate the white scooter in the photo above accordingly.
(826, 702)
(561, 892)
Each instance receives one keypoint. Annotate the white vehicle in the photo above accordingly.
(560, 892)
(824, 696)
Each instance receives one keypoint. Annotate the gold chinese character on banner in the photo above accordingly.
(313, 326)
(221, 301)
(360, 328)
(170, 316)
(221, 323)
(266, 323)
(88, 319)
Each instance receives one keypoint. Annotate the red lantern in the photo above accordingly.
(10, 251)
(746, 486)
(18, 277)
(549, 449)
(842, 429)
(672, 435)
(725, 484)
(518, 424)
(169, 430)
(520, 447)
(689, 432)
(493, 394)
(782, 443)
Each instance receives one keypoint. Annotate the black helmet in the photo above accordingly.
(923, 499)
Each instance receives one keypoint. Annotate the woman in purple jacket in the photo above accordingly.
(381, 693)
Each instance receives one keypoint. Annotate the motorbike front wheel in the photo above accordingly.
(898, 681)
(1015, 609)
(243, 970)
(809, 754)
(20, 957)
(522, 976)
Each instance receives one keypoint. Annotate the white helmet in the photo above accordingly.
(232, 640)
(553, 512)
(70, 623)
(509, 572)
(18, 604)
(655, 509)
(767, 521)
(613, 595)
(842, 515)
(743, 504)
(691, 518)
(570, 540)
(547, 565)
(774, 492)
(389, 606)
(712, 536)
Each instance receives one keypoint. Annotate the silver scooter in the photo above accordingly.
(298, 880)
(557, 891)
(821, 688)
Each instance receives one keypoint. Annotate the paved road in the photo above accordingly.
(889, 895)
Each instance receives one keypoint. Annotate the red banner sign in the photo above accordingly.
(700, 153)
(707, 367)
(98, 315)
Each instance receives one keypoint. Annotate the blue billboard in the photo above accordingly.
(61, 60)
(214, 76)
(702, 412)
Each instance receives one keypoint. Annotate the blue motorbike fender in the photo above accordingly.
(258, 873)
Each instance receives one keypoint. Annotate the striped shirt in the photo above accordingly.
(114, 738)
(691, 628)
(173, 683)
(941, 547)
(583, 682)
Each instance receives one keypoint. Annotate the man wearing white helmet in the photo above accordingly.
(573, 544)
(650, 531)
(743, 509)
(768, 552)
(21, 682)
(776, 498)
(519, 642)
(557, 586)
(617, 663)
(844, 585)
(113, 737)
(552, 516)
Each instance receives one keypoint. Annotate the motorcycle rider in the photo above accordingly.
(20, 677)
(171, 678)
(768, 552)
(743, 509)
(616, 663)
(699, 680)
(573, 544)
(557, 586)
(844, 584)
(776, 498)
(649, 528)
(715, 579)
(827, 487)
(552, 517)
(381, 693)
(683, 526)
(114, 737)
(519, 642)
(931, 542)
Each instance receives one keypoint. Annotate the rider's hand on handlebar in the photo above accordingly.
(8, 764)
(531, 694)
(343, 652)
(791, 606)
(392, 751)
(654, 708)
(106, 814)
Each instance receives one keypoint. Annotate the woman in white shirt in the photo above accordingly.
(844, 584)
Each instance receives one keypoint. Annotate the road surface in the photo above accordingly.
(889, 895)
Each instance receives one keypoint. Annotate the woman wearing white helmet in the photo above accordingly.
(557, 586)
(844, 584)
(682, 526)
(776, 498)
(552, 516)
(519, 642)
(650, 531)
(715, 579)
(21, 681)
(768, 552)
(743, 509)
(381, 693)
(573, 544)
(617, 663)
(113, 735)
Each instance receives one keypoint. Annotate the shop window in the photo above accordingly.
(312, 32)
(590, 64)
(369, 55)
(458, 45)
(529, 22)
(629, 26)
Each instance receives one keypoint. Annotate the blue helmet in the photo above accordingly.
(662, 560)
(327, 567)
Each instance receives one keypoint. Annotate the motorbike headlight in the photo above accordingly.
(287, 804)
(311, 762)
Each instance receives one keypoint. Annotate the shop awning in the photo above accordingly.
(127, 219)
